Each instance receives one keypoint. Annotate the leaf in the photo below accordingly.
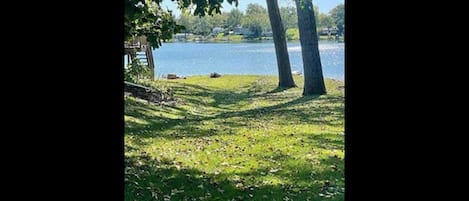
(274, 170)
(224, 164)
(239, 185)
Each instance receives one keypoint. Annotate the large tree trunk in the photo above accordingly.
(283, 61)
(314, 81)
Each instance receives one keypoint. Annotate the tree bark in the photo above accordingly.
(313, 78)
(150, 61)
(283, 60)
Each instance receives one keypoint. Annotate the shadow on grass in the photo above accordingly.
(147, 178)
(327, 140)
(279, 89)
(222, 99)
(192, 125)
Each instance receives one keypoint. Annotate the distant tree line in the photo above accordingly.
(254, 22)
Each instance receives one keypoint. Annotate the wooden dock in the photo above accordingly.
(140, 45)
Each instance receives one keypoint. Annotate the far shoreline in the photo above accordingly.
(224, 75)
(247, 41)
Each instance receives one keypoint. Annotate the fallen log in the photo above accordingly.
(146, 93)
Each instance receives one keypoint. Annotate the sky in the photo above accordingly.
(324, 5)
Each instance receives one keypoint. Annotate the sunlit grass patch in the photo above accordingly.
(236, 138)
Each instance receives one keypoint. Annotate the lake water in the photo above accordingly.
(185, 59)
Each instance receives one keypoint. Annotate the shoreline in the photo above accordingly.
(234, 75)
(246, 41)
(225, 39)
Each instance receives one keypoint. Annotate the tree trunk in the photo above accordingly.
(150, 61)
(314, 81)
(278, 31)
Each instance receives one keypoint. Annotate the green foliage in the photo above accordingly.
(293, 34)
(202, 26)
(148, 18)
(325, 21)
(135, 71)
(218, 20)
(256, 19)
(159, 25)
(338, 15)
(289, 18)
(204, 7)
(160, 86)
(254, 8)
(236, 137)
(234, 18)
(186, 20)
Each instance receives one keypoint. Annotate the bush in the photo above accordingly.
(136, 71)
(293, 34)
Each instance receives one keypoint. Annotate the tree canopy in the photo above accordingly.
(289, 18)
(338, 15)
(234, 18)
(325, 21)
(148, 18)
(256, 19)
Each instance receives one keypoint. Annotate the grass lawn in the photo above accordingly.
(236, 138)
(341, 38)
(232, 38)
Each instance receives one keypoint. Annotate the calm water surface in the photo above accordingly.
(185, 59)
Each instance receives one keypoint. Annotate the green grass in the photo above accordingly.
(341, 38)
(293, 34)
(236, 138)
(232, 38)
